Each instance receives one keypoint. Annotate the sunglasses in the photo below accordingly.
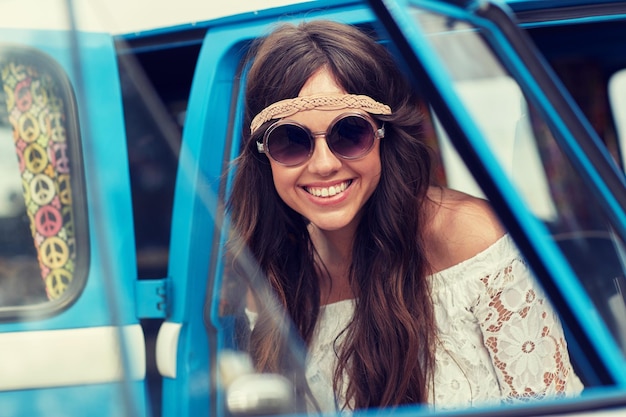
(350, 136)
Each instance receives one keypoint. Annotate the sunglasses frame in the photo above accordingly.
(378, 133)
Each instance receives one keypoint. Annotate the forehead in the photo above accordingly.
(321, 82)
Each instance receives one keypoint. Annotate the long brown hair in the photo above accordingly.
(388, 353)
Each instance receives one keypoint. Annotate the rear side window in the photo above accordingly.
(43, 240)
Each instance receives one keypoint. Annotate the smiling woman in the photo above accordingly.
(310, 188)
(402, 291)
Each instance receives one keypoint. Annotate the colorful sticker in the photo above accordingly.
(37, 115)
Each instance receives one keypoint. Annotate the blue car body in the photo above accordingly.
(124, 311)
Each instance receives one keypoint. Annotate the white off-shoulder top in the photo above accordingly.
(499, 338)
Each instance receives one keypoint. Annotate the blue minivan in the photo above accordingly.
(119, 125)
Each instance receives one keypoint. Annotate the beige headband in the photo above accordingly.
(292, 106)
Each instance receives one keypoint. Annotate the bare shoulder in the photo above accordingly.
(459, 226)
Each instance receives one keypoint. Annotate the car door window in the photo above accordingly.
(39, 256)
(582, 45)
(518, 135)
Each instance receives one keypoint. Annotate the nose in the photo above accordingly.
(323, 162)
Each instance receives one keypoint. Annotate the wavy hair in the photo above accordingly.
(388, 351)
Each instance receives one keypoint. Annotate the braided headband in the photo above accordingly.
(292, 106)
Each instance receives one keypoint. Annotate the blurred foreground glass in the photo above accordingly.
(524, 145)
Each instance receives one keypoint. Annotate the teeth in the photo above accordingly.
(327, 191)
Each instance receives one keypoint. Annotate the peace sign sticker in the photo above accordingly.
(35, 158)
(28, 127)
(57, 282)
(23, 96)
(54, 252)
(48, 221)
(59, 158)
(42, 189)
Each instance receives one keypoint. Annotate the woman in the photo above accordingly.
(401, 291)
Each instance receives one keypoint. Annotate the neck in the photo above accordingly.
(333, 246)
(334, 249)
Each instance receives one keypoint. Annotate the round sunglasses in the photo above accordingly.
(349, 136)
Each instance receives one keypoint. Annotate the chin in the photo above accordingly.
(330, 225)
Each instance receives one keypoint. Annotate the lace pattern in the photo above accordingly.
(499, 338)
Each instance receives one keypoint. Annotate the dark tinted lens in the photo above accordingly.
(351, 137)
(289, 144)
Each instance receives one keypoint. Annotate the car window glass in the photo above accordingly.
(524, 146)
(38, 252)
(20, 276)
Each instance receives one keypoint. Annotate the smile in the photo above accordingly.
(328, 191)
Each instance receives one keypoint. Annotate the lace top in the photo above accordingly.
(499, 339)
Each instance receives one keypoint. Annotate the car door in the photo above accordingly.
(502, 111)
(70, 340)
(201, 323)
(204, 302)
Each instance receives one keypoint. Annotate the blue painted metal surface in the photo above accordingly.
(106, 174)
(196, 237)
(152, 298)
(108, 297)
(201, 167)
(110, 294)
(98, 400)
